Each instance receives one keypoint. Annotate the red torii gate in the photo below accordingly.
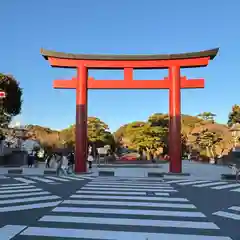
(174, 82)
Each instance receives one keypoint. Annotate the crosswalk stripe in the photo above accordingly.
(226, 186)
(96, 180)
(209, 184)
(73, 178)
(129, 189)
(130, 222)
(130, 204)
(29, 206)
(178, 181)
(17, 187)
(42, 179)
(235, 190)
(32, 199)
(144, 198)
(227, 215)
(86, 177)
(57, 179)
(14, 184)
(235, 208)
(116, 235)
(128, 212)
(27, 181)
(193, 182)
(3, 177)
(9, 231)
(120, 193)
(24, 194)
(127, 186)
(21, 190)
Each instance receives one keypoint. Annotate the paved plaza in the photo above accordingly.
(118, 208)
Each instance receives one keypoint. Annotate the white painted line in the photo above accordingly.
(116, 235)
(126, 186)
(130, 204)
(167, 199)
(235, 208)
(3, 177)
(24, 194)
(24, 180)
(129, 212)
(210, 184)
(57, 178)
(130, 222)
(42, 179)
(86, 177)
(235, 190)
(22, 190)
(192, 182)
(14, 184)
(124, 181)
(120, 193)
(227, 215)
(29, 206)
(9, 231)
(17, 187)
(31, 199)
(178, 181)
(72, 178)
(130, 183)
(226, 186)
(129, 189)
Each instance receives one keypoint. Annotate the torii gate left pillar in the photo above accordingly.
(174, 82)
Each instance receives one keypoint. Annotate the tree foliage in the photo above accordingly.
(207, 116)
(208, 140)
(98, 132)
(234, 115)
(11, 105)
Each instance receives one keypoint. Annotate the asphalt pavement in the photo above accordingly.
(123, 208)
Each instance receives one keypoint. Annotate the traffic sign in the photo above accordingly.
(2, 94)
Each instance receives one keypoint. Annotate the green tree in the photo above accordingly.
(208, 140)
(148, 136)
(234, 115)
(11, 105)
(207, 116)
(98, 132)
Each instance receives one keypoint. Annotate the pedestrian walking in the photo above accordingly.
(59, 164)
(90, 157)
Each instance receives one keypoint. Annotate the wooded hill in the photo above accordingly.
(199, 133)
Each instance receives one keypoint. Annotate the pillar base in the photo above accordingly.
(177, 174)
(83, 173)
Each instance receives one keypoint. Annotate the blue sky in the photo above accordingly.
(119, 27)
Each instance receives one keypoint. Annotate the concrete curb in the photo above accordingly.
(106, 173)
(22, 171)
(177, 174)
(228, 176)
(155, 174)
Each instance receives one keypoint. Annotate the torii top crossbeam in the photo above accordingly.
(174, 82)
(192, 59)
